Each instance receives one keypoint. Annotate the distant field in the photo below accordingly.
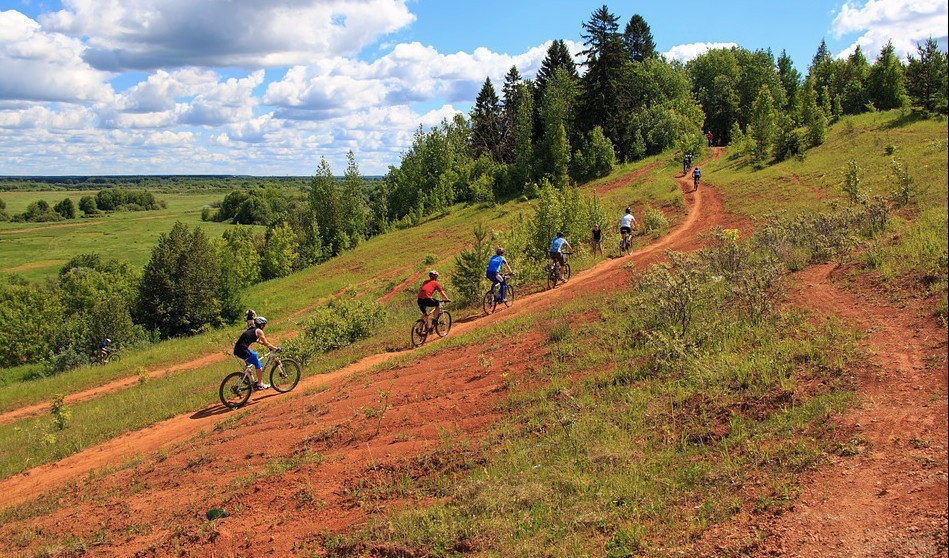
(38, 250)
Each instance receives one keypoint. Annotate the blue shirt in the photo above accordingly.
(494, 264)
(696, 172)
(557, 244)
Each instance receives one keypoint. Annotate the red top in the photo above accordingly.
(428, 289)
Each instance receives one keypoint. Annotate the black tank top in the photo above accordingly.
(244, 342)
(596, 234)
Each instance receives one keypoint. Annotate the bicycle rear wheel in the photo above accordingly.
(419, 333)
(235, 390)
(508, 296)
(443, 323)
(488, 303)
(284, 375)
(552, 278)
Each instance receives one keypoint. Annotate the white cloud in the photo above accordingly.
(684, 53)
(134, 34)
(39, 66)
(905, 22)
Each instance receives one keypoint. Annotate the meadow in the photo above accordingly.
(37, 250)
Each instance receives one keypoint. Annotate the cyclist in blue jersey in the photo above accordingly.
(494, 272)
(696, 177)
(556, 252)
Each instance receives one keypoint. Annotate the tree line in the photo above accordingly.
(117, 199)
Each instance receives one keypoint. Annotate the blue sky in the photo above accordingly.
(267, 88)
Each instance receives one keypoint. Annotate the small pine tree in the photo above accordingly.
(763, 124)
(851, 187)
(469, 279)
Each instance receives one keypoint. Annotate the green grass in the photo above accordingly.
(37, 250)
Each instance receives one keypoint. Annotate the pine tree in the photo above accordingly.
(885, 84)
(558, 56)
(763, 124)
(352, 203)
(511, 92)
(469, 279)
(604, 97)
(854, 92)
(638, 39)
(486, 123)
(926, 77)
(812, 116)
(790, 80)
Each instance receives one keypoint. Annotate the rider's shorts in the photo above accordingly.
(252, 358)
(557, 257)
(425, 303)
(627, 230)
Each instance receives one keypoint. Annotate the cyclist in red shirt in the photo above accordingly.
(426, 294)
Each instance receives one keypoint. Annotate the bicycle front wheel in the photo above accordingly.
(566, 271)
(284, 375)
(419, 333)
(488, 303)
(509, 296)
(443, 324)
(235, 390)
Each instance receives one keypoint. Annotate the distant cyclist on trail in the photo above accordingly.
(626, 224)
(254, 334)
(556, 253)
(696, 176)
(104, 350)
(426, 294)
(494, 274)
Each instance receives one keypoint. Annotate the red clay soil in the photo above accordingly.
(890, 498)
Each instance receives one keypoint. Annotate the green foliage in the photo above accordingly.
(487, 124)
(66, 208)
(60, 413)
(180, 289)
(594, 159)
(763, 125)
(469, 279)
(339, 323)
(886, 82)
(927, 77)
(87, 204)
(904, 191)
(115, 199)
(38, 212)
(280, 257)
(32, 316)
(851, 186)
(3, 213)
(654, 221)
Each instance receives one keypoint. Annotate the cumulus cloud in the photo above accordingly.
(36, 65)
(684, 53)
(905, 22)
(133, 34)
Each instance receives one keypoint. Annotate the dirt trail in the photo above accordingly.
(704, 212)
(891, 498)
(48, 227)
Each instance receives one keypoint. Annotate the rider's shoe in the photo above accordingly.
(261, 385)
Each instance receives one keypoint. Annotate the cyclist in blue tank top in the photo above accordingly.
(556, 250)
(494, 272)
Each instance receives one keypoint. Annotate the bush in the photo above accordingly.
(469, 279)
(339, 323)
(66, 208)
(654, 221)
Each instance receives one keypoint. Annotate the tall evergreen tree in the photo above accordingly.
(853, 83)
(352, 203)
(763, 124)
(511, 92)
(323, 205)
(604, 99)
(486, 123)
(926, 77)
(823, 70)
(885, 84)
(637, 39)
(558, 56)
(790, 79)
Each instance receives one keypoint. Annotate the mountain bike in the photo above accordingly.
(555, 275)
(440, 325)
(626, 242)
(695, 181)
(108, 356)
(237, 386)
(493, 297)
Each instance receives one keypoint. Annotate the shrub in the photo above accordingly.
(469, 280)
(654, 221)
(339, 323)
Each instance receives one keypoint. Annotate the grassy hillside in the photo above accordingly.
(372, 269)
